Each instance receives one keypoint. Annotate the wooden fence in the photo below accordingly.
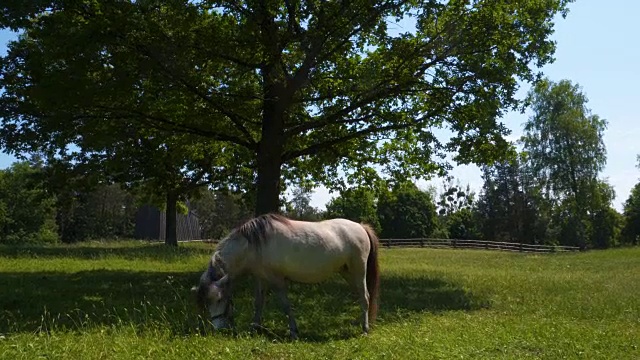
(465, 244)
(474, 244)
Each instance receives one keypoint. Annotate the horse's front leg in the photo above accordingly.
(286, 307)
(258, 304)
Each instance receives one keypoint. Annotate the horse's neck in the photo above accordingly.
(235, 255)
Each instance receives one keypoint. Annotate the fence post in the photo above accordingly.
(421, 242)
(388, 243)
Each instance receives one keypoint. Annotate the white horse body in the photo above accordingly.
(276, 250)
(316, 255)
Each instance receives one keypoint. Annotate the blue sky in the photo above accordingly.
(597, 48)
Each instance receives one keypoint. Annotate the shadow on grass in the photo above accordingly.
(160, 300)
(129, 250)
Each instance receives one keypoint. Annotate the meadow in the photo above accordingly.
(132, 300)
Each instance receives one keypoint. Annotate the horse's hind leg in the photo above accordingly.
(357, 279)
(363, 294)
(346, 275)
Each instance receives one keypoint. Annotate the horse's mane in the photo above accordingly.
(256, 230)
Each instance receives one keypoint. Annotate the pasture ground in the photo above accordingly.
(132, 301)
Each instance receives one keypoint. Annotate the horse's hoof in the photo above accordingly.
(294, 336)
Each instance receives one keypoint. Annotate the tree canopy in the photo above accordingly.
(631, 220)
(293, 90)
(510, 208)
(563, 144)
(356, 204)
(27, 209)
(405, 211)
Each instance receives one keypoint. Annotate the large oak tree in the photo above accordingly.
(294, 89)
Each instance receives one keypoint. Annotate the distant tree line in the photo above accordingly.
(36, 206)
(42, 201)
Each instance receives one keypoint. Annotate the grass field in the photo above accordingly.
(132, 301)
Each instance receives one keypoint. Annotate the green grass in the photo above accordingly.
(132, 301)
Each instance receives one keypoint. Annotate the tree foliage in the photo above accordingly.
(454, 198)
(291, 89)
(563, 143)
(219, 211)
(27, 209)
(299, 207)
(463, 224)
(104, 212)
(631, 213)
(406, 212)
(356, 204)
(510, 208)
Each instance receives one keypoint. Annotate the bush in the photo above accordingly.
(27, 209)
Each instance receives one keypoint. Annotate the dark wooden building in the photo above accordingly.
(151, 224)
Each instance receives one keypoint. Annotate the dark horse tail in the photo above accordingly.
(373, 273)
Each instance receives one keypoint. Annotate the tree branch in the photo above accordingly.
(154, 120)
(331, 118)
(301, 76)
(293, 25)
(235, 118)
(324, 145)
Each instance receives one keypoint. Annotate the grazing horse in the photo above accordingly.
(276, 250)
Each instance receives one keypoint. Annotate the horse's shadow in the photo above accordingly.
(38, 301)
(329, 311)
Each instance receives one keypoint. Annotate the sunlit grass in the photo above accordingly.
(132, 300)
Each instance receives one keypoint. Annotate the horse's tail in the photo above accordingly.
(373, 273)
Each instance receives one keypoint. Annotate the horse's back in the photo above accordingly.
(313, 251)
(334, 234)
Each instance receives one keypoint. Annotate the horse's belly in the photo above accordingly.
(309, 275)
(305, 276)
(308, 267)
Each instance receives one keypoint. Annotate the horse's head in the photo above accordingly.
(213, 293)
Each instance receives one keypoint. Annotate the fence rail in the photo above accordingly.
(462, 244)
(475, 244)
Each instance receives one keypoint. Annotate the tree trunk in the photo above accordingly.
(271, 145)
(268, 182)
(171, 236)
